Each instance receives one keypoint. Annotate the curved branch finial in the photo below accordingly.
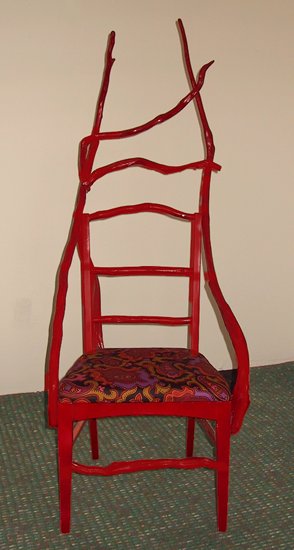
(207, 133)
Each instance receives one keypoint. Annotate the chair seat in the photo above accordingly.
(142, 374)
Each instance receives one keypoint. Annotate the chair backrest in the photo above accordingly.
(93, 320)
(92, 317)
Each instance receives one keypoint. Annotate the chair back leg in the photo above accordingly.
(94, 438)
(190, 433)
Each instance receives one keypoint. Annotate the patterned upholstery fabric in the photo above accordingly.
(142, 374)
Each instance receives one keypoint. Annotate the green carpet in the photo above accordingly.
(166, 509)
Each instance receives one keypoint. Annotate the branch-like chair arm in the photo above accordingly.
(240, 396)
(59, 304)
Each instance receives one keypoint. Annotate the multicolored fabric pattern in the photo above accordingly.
(142, 374)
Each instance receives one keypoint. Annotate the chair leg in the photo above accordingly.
(222, 473)
(65, 443)
(190, 436)
(94, 438)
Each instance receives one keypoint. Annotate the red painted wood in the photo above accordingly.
(94, 438)
(139, 465)
(194, 286)
(148, 319)
(105, 84)
(56, 325)
(210, 410)
(140, 208)
(89, 150)
(208, 429)
(96, 308)
(190, 436)
(144, 270)
(223, 429)
(97, 136)
(228, 415)
(148, 165)
(86, 286)
(241, 390)
(65, 442)
(77, 429)
(206, 131)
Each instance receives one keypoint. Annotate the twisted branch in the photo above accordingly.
(207, 133)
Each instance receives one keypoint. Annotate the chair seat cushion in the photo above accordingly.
(142, 374)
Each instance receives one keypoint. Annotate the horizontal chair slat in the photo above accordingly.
(147, 164)
(148, 319)
(140, 208)
(143, 270)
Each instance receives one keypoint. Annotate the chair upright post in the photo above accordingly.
(223, 436)
(65, 445)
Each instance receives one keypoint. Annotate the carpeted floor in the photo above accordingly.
(166, 509)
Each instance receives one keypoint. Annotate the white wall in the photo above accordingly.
(51, 65)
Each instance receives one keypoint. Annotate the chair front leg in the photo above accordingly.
(222, 474)
(65, 444)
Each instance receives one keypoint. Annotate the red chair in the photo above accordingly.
(107, 382)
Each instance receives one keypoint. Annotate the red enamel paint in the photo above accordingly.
(70, 415)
